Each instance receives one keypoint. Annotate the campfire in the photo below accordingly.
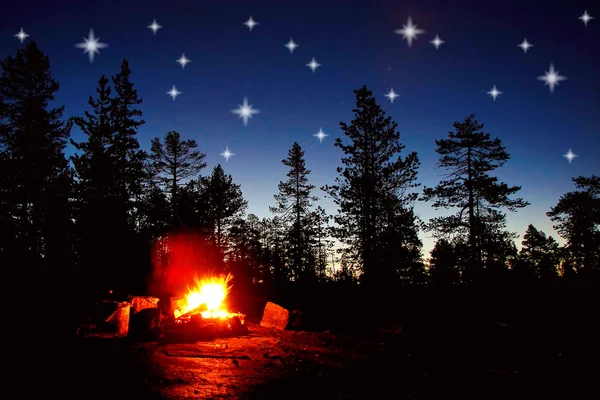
(202, 311)
(207, 298)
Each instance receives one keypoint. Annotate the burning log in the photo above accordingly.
(198, 310)
(202, 313)
(176, 305)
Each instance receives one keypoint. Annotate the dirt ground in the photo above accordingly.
(289, 364)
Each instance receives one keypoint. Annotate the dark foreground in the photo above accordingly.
(480, 361)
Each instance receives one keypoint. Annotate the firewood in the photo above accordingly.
(201, 308)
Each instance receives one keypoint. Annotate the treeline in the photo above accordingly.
(92, 219)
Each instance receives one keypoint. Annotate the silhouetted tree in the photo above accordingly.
(470, 155)
(246, 257)
(96, 194)
(322, 241)
(174, 162)
(35, 179)
(129, 159)
(540, 254)
(371, 187)
(294, 202)
(274, 236)
(498, 249)
(221, 203)
(443, 266)
(154, 212)
(577, 218)
(400, 245)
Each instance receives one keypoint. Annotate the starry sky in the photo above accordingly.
(355, 42)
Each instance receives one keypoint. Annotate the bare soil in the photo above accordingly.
(288, 364)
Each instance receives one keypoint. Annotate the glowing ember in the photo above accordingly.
(211, 292)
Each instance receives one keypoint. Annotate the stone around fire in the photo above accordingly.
(275, 316)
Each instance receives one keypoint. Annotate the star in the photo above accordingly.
(392, 95)
(525, 45)
(409, 31)
(227, 154)
(21, 35)
(551, 78)
(291, 45)
(437, 42)
(586, 18)
(570, 156)
(183, 60)
(250, 23)
(173, 92)
(245, 111)
(494, 93)
(313, 65)
(154, 26)
(91, 45)
(320, 135)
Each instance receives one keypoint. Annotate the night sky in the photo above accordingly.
(355, 43)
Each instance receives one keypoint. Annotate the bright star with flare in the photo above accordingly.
(586, 18)
(91, 45)
(437, 42)
(313, 65)
(245, 111)
(173, 92)
(154, 26)
(320, 135)
(183, 60)
(392, 95)
(227, 154)
(551, 78)
(291, 45)
(525, 45)
(494, 93)
(570, 156)
(409, 31)
(250, 23)
(22, 35)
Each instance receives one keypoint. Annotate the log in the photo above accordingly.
(275, 316)
(176, 304)
(201, 308)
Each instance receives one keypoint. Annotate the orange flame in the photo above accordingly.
(210, 291)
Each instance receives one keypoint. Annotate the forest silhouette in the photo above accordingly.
(74, 228)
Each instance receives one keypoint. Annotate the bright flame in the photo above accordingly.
(210, 291)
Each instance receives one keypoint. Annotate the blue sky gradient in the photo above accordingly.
(356, 44)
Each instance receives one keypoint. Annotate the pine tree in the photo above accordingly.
(577, 218)
(96, 196)
(540, 253)
(222, 203)
(35, 181)
(174, 162)
(129, 159)
(294, 202)
(372, 186)
(443, 266)
(470, 155)
(320, 221)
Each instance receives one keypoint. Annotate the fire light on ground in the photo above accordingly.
(209, 295)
